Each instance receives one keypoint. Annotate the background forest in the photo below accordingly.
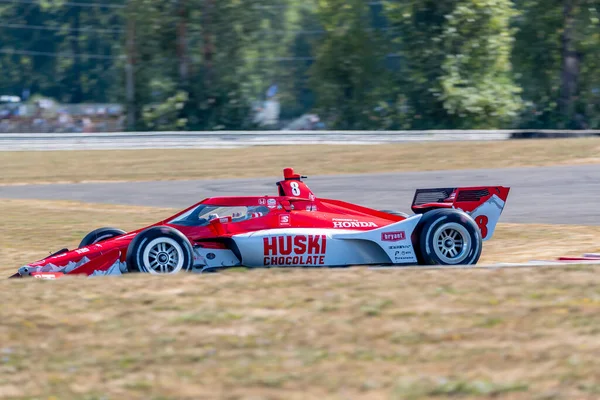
(358, 64)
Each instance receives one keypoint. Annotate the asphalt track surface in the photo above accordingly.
(555, 195)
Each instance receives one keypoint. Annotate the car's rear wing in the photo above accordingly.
(483, 203)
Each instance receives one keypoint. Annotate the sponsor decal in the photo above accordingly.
(295, 250)
(400, 255)
(271, 203)
(47, 275)
(262, 202)
(82, 251)
(393, 236)
(284, 220)
(400, 246)
(354, 224)
(211, 256)
(311, 207)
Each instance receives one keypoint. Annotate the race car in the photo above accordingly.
(293, 229)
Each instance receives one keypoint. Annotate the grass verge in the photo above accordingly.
(129, 165)
(305, 334)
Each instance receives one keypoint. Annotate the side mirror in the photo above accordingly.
(287, 206)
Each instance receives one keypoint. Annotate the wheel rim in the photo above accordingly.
(163, 256)
(451, 243)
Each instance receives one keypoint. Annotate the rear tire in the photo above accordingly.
(448, 237)
(100, 235)
(398, 213)
(160, 250)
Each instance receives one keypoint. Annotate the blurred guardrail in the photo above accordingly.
(233, 139)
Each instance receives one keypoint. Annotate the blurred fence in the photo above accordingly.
(233, 139)
(58, 126)
(46, 116)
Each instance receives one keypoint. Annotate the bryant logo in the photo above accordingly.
(393, 236)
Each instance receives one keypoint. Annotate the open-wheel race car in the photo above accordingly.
(292, 229)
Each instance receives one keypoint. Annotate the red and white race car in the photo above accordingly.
(293, 229)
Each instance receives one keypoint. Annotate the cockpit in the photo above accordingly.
(203, 214)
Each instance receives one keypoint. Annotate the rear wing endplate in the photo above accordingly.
(483, 203)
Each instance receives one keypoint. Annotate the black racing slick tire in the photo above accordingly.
(448, 237)
(398, 213)
(100, 235)
(160, 250)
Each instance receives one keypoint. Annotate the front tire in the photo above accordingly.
(100, 235)
(448, 237)
(160, 250)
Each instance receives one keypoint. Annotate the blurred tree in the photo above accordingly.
(456, 70)
(304, 34)
(207, 75)
(222, 95)
(348, 75)
(206, 64)
(50, 41)
(556, 57)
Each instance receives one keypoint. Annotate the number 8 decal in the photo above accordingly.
(295, 188)
(482, 222)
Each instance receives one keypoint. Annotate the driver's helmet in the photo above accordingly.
(212, 216)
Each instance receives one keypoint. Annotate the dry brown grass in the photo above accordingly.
(524, 242)
(305, 334)
(296, 334)
(127, 165)
(32, 229)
